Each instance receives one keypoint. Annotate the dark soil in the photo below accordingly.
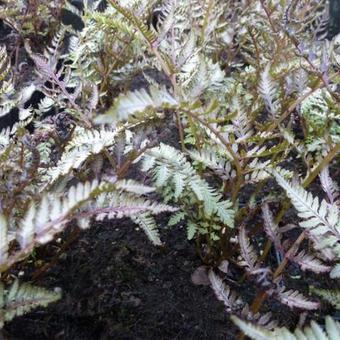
(116, 285)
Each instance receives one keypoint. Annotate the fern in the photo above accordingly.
(332, 331)
(250, 260)
(320, 219)
(84, 144)
(138, 101)
(329, 186)
(234, 303)
(43, 221)
(295, 299)
(135, 21)
(335, 273)
(22, 298)
(224, 294)
(220, 166)
(270, 227)
(169, 166)
(5, 70)
(331, 296)
(310, 262)
(268, 92)
(148, 224)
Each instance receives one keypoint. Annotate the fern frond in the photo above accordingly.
(270, 227)
(134, 187)
(250, 259)
(268, 91)
(329, 186)
(321, 220)
(224, 294)
(241, 122)
(187, 51)
(22, 298)
(335, 273)
(170, 167)
(295, 299)
(5, 138)
(331, 296)
(5, 69)
(198, 75)
(314, 331)
(235, 304)
(138, 101)
(220, 166)
(309, 262)
(167, 22)
(149, 35)
(114, 203)
(176, 218)
(83, 144)
(43, 221)
(148, 224)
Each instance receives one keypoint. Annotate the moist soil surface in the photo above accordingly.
(116, 285)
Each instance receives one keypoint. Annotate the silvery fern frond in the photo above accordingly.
(119, 204)
(314, 331)
(19, 299)
(235, 304)
(148, 225)
(295, 299)
(268, 92)
(321, 220)
(223, 293)
(249, 256)
(43, 220)
(137, 101)
(169, 167)
(167, 21)
(6, 86)
(134, 187)
(329, 186)
(211, 160)
(310, 262)
(335, 273)
(5, 138)
(270, 227)
(4, 238)
(331, 296)
(84, 144)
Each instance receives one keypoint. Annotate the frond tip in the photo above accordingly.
(22, 298)
(148, 224)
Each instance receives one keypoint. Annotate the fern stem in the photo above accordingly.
(333, 153)
(228, 147)
(110, 158)
(125, 167)
(180, 131)
(257, 303)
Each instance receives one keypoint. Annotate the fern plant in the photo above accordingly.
(45, 178)
(239, 120)
(250, 120)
